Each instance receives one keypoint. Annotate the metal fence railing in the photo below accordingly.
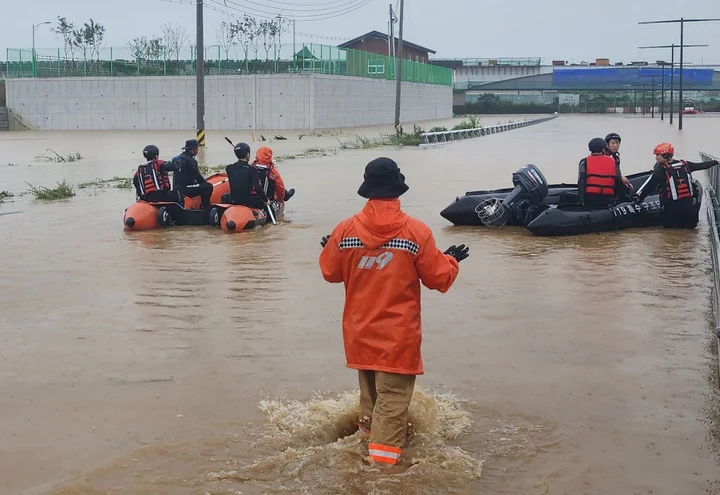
(714, 220)
(234, 60)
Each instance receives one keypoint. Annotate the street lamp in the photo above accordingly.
(672, 70)
(682, 22)
(34, 64)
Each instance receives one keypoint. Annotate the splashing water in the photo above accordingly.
(314, 447)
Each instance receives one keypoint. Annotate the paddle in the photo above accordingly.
(269, 206)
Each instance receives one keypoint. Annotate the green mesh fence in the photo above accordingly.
(286, 58)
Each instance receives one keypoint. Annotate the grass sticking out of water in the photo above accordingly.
(115, 182)
(6, 195)
(56, 157)
(62, 191)
(472, 123)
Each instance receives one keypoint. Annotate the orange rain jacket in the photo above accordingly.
(263, 157)
(382, 255)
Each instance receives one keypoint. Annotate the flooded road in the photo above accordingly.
(190, 361)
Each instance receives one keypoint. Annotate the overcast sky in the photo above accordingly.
(572, 30)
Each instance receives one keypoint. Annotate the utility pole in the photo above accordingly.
(391, 30)
(398, 72)
(672, 70)
(200, 75)
(294, 51)
(682, 22)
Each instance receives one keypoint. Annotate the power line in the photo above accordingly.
(235, 16)
(253, 12)
(338, 7)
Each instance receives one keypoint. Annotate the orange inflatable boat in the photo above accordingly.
(236, 218)
(231, 218)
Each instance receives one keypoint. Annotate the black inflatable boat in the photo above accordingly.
(573, 219)
(463, 211)
(554, 210)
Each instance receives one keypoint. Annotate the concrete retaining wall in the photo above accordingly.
(262, 102)
(4, 124)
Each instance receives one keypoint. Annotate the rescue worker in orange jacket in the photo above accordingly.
(382, 255)
(599, 181)
(677, 193)
(151, 179)
(270, 174)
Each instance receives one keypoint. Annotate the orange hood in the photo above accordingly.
(380, 221)
(264, 155)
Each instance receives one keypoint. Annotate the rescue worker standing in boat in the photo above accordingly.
(382, 255)
(613, 141)
(151, 179)
(599, 181)
(245, 186)
(677, 192)
(188, 178)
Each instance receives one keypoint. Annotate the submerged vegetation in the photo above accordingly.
(56, 157)
(5, 195)
(115, 182)
(62, 191)
(472, 123)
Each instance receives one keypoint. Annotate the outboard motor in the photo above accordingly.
(522, 205)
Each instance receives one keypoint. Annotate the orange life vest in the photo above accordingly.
(151, 177)
(678, 181)
(601, 175)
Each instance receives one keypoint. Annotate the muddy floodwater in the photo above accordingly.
(192, 361)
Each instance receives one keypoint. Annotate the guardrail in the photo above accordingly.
(441, 137)
(714, 220)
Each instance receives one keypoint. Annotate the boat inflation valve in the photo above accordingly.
(492, 212)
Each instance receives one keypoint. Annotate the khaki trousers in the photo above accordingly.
(384, 402)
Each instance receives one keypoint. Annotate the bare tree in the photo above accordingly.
(268, 31)
(148, 49)
(174, 38)
(226, 37)
(64, 30)
(245, 32)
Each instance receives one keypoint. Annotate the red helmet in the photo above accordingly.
(664, 149)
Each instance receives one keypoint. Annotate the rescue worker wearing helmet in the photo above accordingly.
(188, 178)
(599, 180)
(382, 255)
(151, 179)
(270, 176)
(245, 186)
(613, 141)
(677, 192)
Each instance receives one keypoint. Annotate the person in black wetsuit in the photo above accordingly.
(188, 178)
(245, 186)
(613, 141)
(677, 192)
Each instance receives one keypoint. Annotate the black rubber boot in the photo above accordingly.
(289, 194)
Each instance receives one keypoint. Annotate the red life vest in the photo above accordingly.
(678, 181)
(151, 177)
(601, 175)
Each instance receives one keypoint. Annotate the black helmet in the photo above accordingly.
(242, 150)
(597, 145)
(151, 151)
(611, 136)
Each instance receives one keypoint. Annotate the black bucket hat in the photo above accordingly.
(191, 144)
(383, 180)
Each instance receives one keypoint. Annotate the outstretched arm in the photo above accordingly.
(437, 271)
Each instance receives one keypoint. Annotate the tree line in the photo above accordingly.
(247, 33)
